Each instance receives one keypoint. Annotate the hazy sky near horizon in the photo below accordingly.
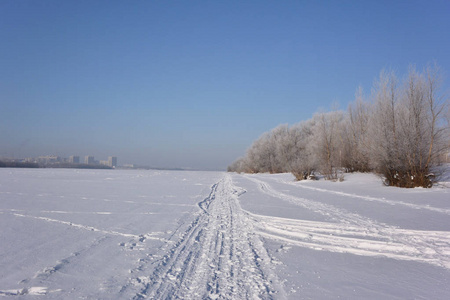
(193, 83)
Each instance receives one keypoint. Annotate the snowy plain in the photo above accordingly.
(118, 234)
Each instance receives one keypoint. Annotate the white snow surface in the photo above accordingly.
(118, 234)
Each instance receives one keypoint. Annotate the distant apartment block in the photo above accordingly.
(89, 160)
(71, 162)
(49, 159)
(112, 161)
(74, 159)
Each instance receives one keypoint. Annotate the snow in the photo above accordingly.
(118, 234)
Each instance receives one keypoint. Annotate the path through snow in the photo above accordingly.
(217, 257)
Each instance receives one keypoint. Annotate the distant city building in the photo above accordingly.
(89, 160)
(112, 161)
(74, 159)
(49, 159)
(54, 161)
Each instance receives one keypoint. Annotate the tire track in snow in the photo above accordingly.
(90, 228)
(30, 291)
(352, 233)
(369, 198)
(217, 257)
(78, 212)
(33, 285)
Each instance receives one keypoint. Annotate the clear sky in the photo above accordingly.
(193, 83)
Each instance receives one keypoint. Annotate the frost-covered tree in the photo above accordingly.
(304, 162)
(356, 135)
(423, 138)
(280, 144)
(266, 153)
(240, 165)
(407, 132)
(437, 119)
(259, 155)
(383, 126)
(328, 142)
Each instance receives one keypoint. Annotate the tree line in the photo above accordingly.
(400, 131)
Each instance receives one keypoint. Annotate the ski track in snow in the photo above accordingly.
(140, 238)
(85, 227)
(32, 291)
(217, 257)
(351, 233)
(80, 212)
(369, 198)
(42, 275)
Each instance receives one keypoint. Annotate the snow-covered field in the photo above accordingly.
(116, 234)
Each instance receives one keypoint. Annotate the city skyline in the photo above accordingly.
(73, 159)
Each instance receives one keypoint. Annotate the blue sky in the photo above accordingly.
(193, 83)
